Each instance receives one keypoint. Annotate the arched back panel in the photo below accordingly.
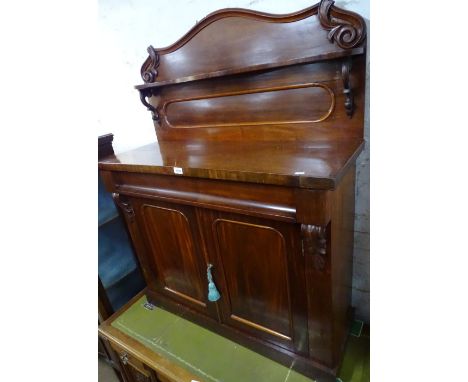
(241, 74)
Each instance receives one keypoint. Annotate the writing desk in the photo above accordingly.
(177, 350)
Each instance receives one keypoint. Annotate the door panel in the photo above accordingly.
(171, 239)
(257, 284)
(172, 243)
(263, 285)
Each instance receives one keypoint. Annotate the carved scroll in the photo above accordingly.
(149, 72)
(148, 93)
(125, 206)
(347, 29)
(349, 98)
(314, 243)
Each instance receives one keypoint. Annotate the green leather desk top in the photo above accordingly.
(216, 359)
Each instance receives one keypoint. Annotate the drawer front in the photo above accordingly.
(137, 371)
(272, 202)
(128, 359)
(134, 375)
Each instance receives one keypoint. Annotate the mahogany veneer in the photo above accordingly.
(259, 120)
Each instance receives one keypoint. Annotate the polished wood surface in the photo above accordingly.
(259, 121)
(260, 200)
(317, 165)
(258, 261)
(175, 259)
(294, 103)
(264, 267)
(242, 75)
(171, 241)
(237, 40)
(222, 108)
(140, 355)
(329, 249)
(265, 304)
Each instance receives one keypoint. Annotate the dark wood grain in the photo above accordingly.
(316, 165)
(255, 258)
(170, 238)
(241, 39)
(171, 241)
(273, 202)
(150, 88)
(259, 121)
(341, 257)
(302, 102)
(222, 109)
(254, 76)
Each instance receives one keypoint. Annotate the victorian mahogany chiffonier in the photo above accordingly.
(242, 213)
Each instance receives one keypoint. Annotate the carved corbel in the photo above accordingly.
(125, 206)
(149, 70)
(314, 244)
(347, 29)
(144, 93)
(349, 98)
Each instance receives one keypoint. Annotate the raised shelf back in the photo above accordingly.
(246, 75)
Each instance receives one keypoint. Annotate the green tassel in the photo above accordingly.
(213, 294)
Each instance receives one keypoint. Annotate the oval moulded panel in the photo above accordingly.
(305, 103)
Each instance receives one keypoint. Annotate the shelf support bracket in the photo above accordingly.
(144, 93)
(348, 93)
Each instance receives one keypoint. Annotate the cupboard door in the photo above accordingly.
(169, 231)
(263, 286)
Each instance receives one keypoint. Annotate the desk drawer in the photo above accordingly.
(137, 371)
(127, 358)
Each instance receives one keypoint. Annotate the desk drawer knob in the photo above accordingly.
(124, 358)
(213, 294)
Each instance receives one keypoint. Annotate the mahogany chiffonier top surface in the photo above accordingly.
(318, 165)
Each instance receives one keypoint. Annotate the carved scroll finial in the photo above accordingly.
(346, 28)
(315, 244)
(150, 73)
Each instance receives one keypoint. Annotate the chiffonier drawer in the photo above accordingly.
(274, 202)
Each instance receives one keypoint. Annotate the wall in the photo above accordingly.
(127, 27)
